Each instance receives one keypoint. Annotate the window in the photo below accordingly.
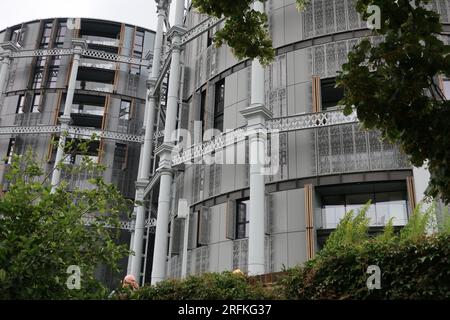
(210, 37)
(203, 110)
(124, 115)
(124, 110)
(10, 152)
(17, 36)
(138, 50)
(120, 156)
(40, 62)
(36, 103)
(330, 96)
(46, 35)
(242, 218)
(385, 205)
(52, 77)
(60, 36)
(219, 103)
(20, 104)
(38, 77)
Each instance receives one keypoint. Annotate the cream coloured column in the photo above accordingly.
(164, 152)
(78, 46)
(137, 237)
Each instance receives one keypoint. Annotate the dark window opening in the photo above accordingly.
(86, 74)
(219, 103)
(242, 218)
(88, 111)
(10, 151)
(210, 38)
(90, 27)
(75, 155)
(330, 96)
(203, 110)
(120, 156)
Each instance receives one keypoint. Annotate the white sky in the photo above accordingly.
(137, 12)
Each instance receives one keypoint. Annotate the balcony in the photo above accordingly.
(97, 64)
(95, 86)
(101, 41)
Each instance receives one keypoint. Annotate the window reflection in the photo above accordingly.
(385, 205)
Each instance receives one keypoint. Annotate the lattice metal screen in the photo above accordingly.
(330, 16)
(347, 148)
(240, 255)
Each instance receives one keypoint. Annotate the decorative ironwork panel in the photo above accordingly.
(42, 53)
(319, 17)
(341, 19)
(308, 21)
(329, 17)
(79, 131)
(199, 29)
(240, 255)
(114, 57)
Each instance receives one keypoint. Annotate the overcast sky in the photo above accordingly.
(137, 12)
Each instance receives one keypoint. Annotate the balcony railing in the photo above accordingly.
(102, 41)
(95, 86)
(98, 64)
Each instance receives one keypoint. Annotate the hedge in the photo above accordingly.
(413, 265)
(418, 269)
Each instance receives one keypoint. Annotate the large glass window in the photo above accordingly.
(385, 205)
(242, 218)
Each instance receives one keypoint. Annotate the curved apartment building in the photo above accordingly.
(208, 206)
(108, 94)
(323, 171)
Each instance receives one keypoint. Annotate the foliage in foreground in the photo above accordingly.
(245, 30)
(43, 233)
(394, 85)
(208, 286)
(413, 265)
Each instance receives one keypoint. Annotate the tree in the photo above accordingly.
(42, 233)
(245, 29)
(394, 85)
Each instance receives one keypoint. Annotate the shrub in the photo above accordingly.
(208, 286)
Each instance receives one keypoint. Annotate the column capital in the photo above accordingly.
(164, 149)
(151, 82)
(79, 45)
(256, 114)
(65, 119)
(176, 31)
